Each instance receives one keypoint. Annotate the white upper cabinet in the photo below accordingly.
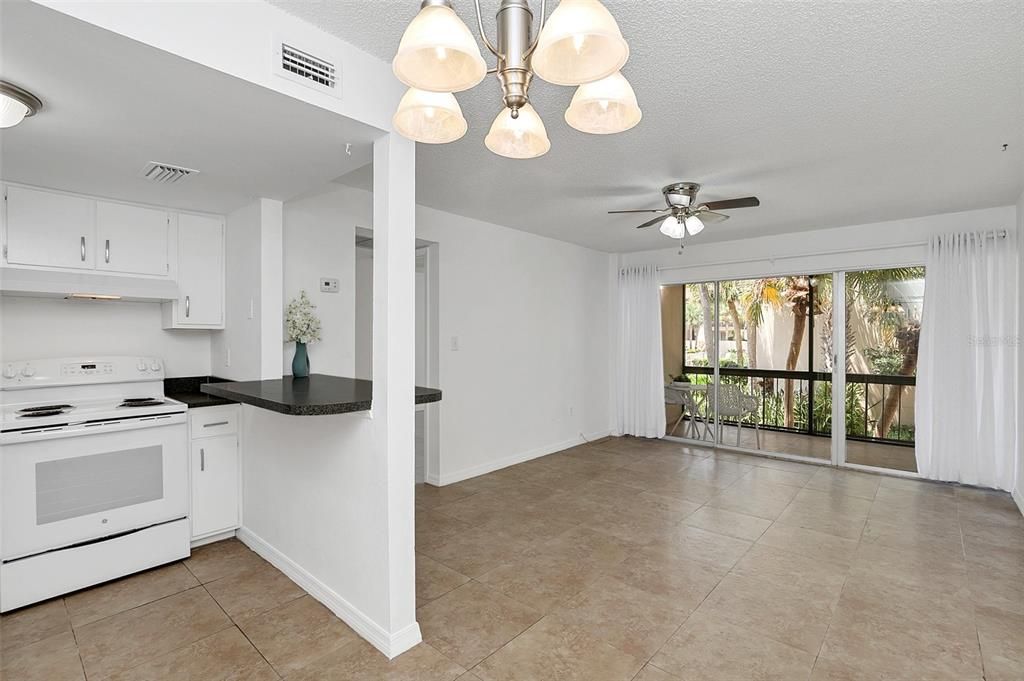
(200, 274)
(50, 230)
(132, 239)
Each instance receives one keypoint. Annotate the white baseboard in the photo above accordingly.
(521, 457)
(392, 645)
(1018, 496)
(211, 538)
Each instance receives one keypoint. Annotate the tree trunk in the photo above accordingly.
(792, 357)
(908, 340)
(709, 319)
(738, 330)
(752, 344)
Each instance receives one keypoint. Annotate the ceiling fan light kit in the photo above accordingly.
(686, 215)
(579, 44)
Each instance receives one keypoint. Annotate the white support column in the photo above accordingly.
(394, 367)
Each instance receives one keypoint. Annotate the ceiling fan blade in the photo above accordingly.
(651, 222)
(645, 210)
(710, 217)
(747, 202)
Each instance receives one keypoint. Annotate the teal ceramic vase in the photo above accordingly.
(300, 363)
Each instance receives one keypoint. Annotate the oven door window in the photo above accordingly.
(84, 485)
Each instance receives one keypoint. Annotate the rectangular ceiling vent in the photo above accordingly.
(166, 173)
(314, 70)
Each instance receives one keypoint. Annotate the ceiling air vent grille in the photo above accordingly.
(165, 172)
(305, 65)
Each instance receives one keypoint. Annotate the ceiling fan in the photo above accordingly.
(686, 214)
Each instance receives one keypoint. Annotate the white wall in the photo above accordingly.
(531, 373)
(235, 351)
(1018, 492)
(364, 314)
(49, 327)
(199, 31)
(319, 241)
(530, 313)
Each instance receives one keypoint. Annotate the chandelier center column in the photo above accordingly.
(515, 38)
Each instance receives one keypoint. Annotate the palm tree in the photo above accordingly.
(762, 293)
(871, 290)
(731, 292)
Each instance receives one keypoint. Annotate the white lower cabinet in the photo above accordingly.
(215, 473)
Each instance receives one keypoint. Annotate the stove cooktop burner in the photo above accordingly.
(28, 411)
(141, 402)
(38, 413)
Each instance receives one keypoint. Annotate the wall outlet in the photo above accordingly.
(329, 285)
(455, 344)
(227, 356)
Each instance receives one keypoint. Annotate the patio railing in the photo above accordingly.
(873, 402)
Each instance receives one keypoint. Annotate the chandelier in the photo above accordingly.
(579, 44)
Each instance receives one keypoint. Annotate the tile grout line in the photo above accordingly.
(234, 625)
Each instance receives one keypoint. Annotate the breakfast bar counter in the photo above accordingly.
(317, 395)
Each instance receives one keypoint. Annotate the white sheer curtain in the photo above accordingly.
(967, 371)
(641, 403)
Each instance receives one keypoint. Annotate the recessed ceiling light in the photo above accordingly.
(16, 104)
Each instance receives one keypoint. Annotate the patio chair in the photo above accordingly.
(688, 400)
(734, 403)
(675, 397)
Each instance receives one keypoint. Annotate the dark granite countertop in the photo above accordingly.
(186, 389)
(318, 395)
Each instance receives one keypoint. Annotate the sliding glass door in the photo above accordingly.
(883, 327)
(689, 344)
(757, 364)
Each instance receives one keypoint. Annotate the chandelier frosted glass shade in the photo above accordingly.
(604, 107)
(429, 117)
(694, 225)
(673, 228)
(438, 53)
(522, 137)
(580, 43)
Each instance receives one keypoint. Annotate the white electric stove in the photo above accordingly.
(93, 474)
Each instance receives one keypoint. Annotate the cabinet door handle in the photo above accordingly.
(202, 459)
(83, 248)
(106, 251)
(217, 423)
(187, 306)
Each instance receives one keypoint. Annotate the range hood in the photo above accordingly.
(17, 281)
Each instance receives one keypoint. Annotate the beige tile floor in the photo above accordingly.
(621, 560)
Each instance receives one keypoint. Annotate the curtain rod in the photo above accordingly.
(1001, 234)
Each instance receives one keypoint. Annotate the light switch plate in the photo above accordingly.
(329, 285)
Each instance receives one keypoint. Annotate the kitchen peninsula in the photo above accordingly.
(317, 395)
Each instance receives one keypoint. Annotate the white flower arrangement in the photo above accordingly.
(301, 323)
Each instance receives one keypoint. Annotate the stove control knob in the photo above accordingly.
(155, 366)
(10, 371)
(141, 366)
(28, 371)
